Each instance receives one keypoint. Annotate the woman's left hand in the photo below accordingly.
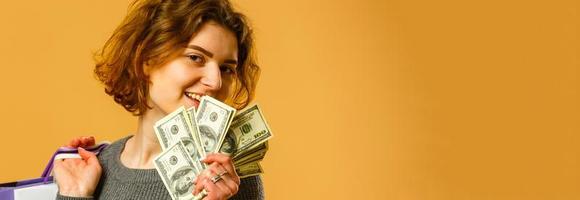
(219, 179)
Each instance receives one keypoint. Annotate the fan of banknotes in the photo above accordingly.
(187, 135)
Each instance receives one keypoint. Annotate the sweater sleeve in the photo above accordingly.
(60, 197)
(250, 188)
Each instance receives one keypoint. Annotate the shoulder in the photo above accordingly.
(113, 150)
(250, 188)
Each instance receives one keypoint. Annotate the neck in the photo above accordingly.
(141, 149)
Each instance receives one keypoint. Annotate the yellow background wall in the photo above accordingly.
(398, 99)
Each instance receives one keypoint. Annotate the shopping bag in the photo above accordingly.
(43, 188)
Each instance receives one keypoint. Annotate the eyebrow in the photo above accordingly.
(210, 54)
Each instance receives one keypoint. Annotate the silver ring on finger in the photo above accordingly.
(216, 178)
(201, 195)
(223, 173)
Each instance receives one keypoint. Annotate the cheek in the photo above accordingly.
(156, 94)
(225, 91)
(162, 93)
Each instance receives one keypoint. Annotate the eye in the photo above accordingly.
(196, 58)
(227, 70)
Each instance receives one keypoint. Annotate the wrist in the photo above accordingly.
(61, 197)
(75, 192)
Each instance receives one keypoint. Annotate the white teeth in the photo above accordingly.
(193, 95)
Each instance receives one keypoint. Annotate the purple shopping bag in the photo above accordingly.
(43, 187)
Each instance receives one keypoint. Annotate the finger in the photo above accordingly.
(224, 190)
(198, 186)
(90, 140)
(217, 168)
(87, 141)
(82, 142)
(74, 143)
(226, 185)
(213, 192)
(200, 195)
(204, 175)
(222, 159)
(88, 156)
(231, 172)
(217, 157)
(227, 181)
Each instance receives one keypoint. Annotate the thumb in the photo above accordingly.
(88, 156)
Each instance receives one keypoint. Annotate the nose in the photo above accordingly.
(212, 78)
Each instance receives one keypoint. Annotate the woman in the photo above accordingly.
(166, 54)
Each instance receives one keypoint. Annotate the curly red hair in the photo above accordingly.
(155, 30)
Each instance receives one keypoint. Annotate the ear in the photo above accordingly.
(147, 68)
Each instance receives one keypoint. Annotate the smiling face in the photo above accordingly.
(206, 67)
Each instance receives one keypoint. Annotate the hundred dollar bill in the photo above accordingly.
(174, 128)
(252, 160)
(191, 113)
(213, 118)
(250, 169)
(256, 157)
(248, 130)
(261, 149)
(256, 149)
(229, 145)
(177, 170)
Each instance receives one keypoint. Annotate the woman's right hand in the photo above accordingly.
(78, 177)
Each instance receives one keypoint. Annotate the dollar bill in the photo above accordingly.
(175, 128)
(186, 135)
(191, 113)
(177, 171)
(255, 157)
(213, 118)
(250, 169)
(259, 148)
(229, 145)
(248, 130)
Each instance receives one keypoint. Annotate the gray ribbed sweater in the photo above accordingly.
(120, 182)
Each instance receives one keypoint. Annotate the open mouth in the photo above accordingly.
(194, 97)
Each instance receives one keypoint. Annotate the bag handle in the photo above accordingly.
(68, 151)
